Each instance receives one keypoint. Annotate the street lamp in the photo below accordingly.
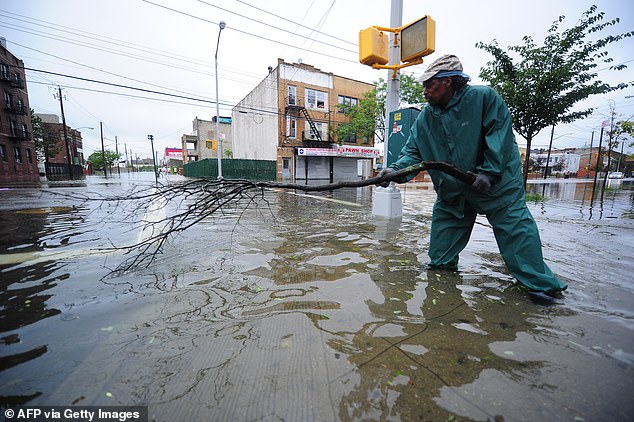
(218, 140)
(81, 161)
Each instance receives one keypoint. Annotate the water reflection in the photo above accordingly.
(26, 289)
(308, 310)
(585, 199)
(407, 335)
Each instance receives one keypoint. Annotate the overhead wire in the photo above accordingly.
(270, 26)
(241, 107)
(99, 48)
(245, 32)
(115, 42)
(296, 23)
(320, 23)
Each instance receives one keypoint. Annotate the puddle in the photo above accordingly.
(317, 311)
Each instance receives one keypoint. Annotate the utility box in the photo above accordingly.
(401, 121)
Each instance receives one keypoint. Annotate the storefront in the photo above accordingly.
(332, 164)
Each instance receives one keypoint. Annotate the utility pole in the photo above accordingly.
(103, 151)
(151, 138)
(68, 159)
(393, 76)
(611, 135)
(618, 166)
(550, 147)
(596, 171)
(116, 145)
(125, 148)
(387, 202)
(590, 156)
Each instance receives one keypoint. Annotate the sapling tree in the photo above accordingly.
(542, 84)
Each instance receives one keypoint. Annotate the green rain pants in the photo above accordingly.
(516, 235)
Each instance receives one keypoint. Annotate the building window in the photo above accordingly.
(293, 128)
(292, 95)
(3, 153)
(7, 99)
(5, 71)
(316, 99)
(29, 156)
(351, 139)
(286, 163)
(322, 128)
(345, 103)
(18, 154)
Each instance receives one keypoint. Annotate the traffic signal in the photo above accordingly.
(418, 39)
(373, 46)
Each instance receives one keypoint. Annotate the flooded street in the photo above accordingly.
(308, 308)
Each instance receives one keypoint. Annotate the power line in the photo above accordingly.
(248, 33)
(241, 107)
(98, 69)
(270, 26)
(295, 23)
(121, 86)
(116, 42)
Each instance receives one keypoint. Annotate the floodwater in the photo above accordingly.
(308, 308)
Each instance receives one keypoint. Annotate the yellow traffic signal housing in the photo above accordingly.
(373, 46)
(418, 39)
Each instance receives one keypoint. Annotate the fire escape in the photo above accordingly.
(315, 138)
(14, 106)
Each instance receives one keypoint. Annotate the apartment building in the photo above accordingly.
(54, 148)
(292, 117)
(203, 143)
(18, 161)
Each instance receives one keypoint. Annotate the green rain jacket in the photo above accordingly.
(474, 133)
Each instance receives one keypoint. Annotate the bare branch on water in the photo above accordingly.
(196, 200)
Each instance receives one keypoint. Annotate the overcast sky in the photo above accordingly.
(168, 46)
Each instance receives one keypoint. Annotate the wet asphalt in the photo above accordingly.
(309, 308)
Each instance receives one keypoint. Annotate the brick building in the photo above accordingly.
(54, 148)
(292, 117)
(18, 161)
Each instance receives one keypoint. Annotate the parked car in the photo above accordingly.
(615, 175)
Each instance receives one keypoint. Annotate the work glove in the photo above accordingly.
(482, 183)
(382, 173)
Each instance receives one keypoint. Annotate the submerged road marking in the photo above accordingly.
(322, 198)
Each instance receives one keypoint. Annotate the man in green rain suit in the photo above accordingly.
(471, 127)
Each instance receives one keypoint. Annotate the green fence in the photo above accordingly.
(232, 169)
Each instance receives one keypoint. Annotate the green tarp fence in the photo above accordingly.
(232, 169)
